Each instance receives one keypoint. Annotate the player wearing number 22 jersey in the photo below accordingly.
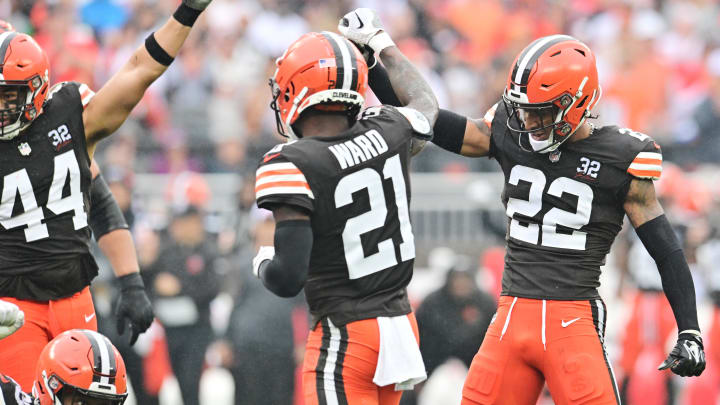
(568, 186)
(340, 192)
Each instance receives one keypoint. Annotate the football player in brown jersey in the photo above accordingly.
(568, 185)
(339, 191)
(47, 140)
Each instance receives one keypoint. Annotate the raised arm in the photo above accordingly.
(658, 237)
(112, 104)
(363, 27)
(452, 132)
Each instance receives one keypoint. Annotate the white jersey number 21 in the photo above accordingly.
(358, 264)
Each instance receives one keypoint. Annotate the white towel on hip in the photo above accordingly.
(399, 359)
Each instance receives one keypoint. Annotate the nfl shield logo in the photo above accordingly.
(554, 156)
(24, 149)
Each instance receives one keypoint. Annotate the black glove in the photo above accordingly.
(687, 358)
(134, 306)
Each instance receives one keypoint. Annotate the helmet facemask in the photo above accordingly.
(59, 391)
(15, 98)
(543, 123)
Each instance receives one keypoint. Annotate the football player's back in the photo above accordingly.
(359, 190)
(340, 194)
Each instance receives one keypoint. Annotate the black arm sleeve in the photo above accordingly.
(379, 82)
(105, 214)
(449, 129)
(660, 241)
(286, 273)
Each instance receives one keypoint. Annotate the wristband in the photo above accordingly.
(691, 332)
(157, 52)
(131, 281)
(186, 15)
(380, 41)
(450, 131)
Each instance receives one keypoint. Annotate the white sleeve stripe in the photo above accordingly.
(280, 177)
(87, 99)
(641, 166)
(276, 166)
(650, 155)
(284, 190)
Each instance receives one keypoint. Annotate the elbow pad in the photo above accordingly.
(105, 214)
(286, 273)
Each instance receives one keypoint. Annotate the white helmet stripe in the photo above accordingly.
(105, 351)
(532, 54)
(5, 39)
(347, 62)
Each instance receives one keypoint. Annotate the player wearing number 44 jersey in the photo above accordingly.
(567, 188)
(47, 139)
(339, 191)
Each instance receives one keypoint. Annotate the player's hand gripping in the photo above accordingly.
(265, 253)
(687, 358)
(11, 318)
(133, 306)
(363, 27)
(199, 5)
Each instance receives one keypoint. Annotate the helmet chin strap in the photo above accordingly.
(296, 103)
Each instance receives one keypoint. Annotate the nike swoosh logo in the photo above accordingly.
(568, 323)
(89, 318)
(360, 21)
(270, 157)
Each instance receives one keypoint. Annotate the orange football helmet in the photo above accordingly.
(82, 364)
(321, 70)
(552, 86)
(24, 77)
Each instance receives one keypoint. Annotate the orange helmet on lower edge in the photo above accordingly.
(318, 69)
(82, 364)
(555, 79)
(24, 77)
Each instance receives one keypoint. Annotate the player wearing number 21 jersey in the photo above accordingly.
(568, 186)
(340, 192)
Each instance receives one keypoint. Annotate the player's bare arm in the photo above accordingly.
(452, 132)
(283, 268)
(476, 140)
(412, 90)
(641, 204)
(112, 104)
(658, 237)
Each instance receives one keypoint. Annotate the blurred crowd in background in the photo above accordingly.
(659, 66)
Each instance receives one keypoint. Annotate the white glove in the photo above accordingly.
(363, 27)
(265, 253)
(11, 318)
